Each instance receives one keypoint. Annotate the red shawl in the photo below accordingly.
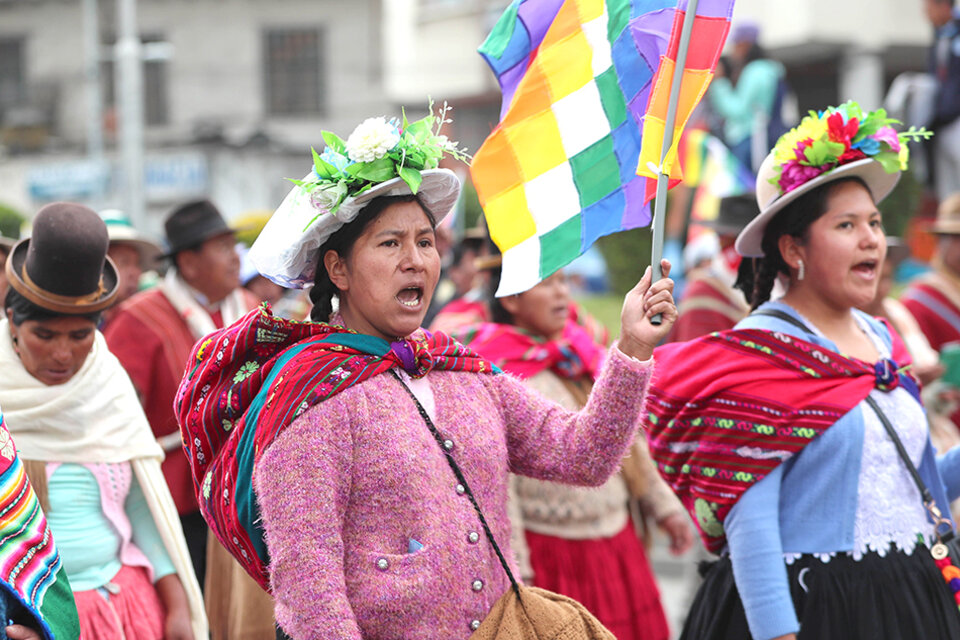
(728, 408)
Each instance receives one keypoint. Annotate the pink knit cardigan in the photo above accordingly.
(350, 483)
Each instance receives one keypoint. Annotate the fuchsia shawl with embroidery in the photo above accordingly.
(525, 355)
(246, 383)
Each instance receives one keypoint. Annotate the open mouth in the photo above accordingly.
(867, 268)
(410, 297)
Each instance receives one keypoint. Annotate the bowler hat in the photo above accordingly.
(63, 266)
(735, 213)
(190, 224)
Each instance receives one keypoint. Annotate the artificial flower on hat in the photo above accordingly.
(382, 157)
(836, 143)
(836, 136)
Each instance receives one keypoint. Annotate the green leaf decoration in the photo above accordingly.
(324, 169)
(822, 152)
(419, 129)
(334, 142)
(412, 177)
(889, 160)
(377, 171)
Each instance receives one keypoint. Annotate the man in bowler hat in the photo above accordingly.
(153, 333)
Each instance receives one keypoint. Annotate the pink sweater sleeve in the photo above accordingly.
(548, 442)
(311, 448)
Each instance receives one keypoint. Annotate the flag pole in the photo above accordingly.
(660, 203)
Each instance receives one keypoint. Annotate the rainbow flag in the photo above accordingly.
(713, 172)
(710, 27)
(560, 169)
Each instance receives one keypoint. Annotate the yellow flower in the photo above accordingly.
(904, 155)
(812, 127)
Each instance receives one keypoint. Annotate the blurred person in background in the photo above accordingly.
(460, 287)
(132, 252)
(945, 68)
(710, 302)
(86, 444)
(749, 98)
(934, 297)
(293, 304)
(153, 332)
(577, 541)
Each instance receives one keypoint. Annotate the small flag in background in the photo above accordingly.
(710, 27)
(560, 170)
(711, 169)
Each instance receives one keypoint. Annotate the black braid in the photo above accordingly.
(757, 277)
(323, 291)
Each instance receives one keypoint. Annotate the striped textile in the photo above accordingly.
(559, 171)
(726, 409)
(30, 566)
(246, 383)
(713, 171)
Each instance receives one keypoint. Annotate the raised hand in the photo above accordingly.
(638, 336)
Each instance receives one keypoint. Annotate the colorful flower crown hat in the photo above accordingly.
(840, 142)
(380, 158)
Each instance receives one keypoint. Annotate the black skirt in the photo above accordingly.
(893, 597)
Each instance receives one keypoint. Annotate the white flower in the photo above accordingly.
(372, 139)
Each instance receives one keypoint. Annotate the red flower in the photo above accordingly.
(851, 154)
(840, 132)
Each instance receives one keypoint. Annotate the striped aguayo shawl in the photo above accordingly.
(726, 409)
(31, 572)
(246, 383)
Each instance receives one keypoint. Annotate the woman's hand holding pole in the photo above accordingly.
(638, 336)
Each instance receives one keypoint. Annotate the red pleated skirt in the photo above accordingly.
(133, 612)
(611, 577)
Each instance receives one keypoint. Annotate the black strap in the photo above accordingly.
(461, 479)
(925, 494)
(786, 317)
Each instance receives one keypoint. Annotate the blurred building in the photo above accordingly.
(235, 94)
(240, 89)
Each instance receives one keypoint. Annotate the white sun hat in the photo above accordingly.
(381, 158)
(837, 130)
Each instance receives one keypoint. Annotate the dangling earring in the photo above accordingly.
(800, 272)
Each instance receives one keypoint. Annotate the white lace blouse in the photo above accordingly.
(890, 510)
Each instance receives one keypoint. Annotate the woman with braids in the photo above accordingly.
(579, 541)
(783, 436)
(321, 449)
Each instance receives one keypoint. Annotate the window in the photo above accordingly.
(293, 76)
(13, 86)
(155, 111)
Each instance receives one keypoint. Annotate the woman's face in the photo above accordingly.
(544, 309)
(52, 351)
(387, 280)
(845, 249)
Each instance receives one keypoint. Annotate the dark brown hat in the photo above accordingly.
(735, 213)
(190, 224)
(63, 267)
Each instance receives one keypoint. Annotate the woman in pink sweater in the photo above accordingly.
(353, 518)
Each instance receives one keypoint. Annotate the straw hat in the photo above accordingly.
(948, 217)
(121, 231)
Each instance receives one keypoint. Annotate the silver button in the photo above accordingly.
(448, 444)
(382, 564)
(473, 537)
(477, 585)
(461, 489)
(475, 625)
